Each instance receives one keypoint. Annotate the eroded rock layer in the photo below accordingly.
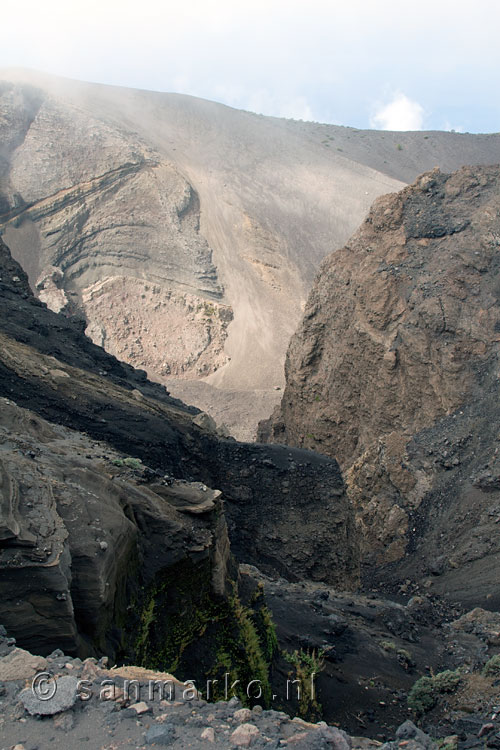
(105, 491)
(394, 370)
(88, 206)
(207, 204)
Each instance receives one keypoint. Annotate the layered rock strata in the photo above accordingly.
(79, 527)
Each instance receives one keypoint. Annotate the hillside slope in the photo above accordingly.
(187, 233)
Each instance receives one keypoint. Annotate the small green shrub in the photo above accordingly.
(426, 691)
(391, 647)
(421, 697)
(404, 654)
(133, 463)
(306, 665)
(399, 147)
(446, 682)
(492, 667)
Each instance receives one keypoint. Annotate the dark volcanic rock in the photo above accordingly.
(73, 526)
(394, 371)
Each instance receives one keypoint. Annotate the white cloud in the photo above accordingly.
(402, 113)
(290, 106)
(318, 59)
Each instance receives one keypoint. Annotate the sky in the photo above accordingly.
(414, 65)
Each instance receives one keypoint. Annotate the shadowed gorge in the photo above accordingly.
(333, 585)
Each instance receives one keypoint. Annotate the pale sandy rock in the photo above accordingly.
(58, 374)
(143, 675)
(243, 715)
(244, 735)
(208, 734)
(140, 708)
(21, 665)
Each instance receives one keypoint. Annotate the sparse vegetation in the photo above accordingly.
(179, 610)
(403, 655)
(130, 462)
(133, 463)
(426, 691)
(307, 665)
(388, 645)
(445, 744)
(492, 667)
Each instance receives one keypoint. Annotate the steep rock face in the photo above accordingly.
(86, 206)
(398, 319)
(76, 531)
(401, 331)
(61, 496)
(428, 505)
(197, 199)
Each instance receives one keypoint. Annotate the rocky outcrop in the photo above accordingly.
(107, 214)
(398, 319)
(76, 525)
(394, 370)
(106, 191)
(78, 519)
(167, 333)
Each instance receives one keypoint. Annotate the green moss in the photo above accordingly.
(492, 667)
(181, 596)
(147, 619)
(258, 665)
(187, 630)
(270, 637)
(264, 623)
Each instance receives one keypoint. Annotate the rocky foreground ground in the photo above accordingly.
(87, 704)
